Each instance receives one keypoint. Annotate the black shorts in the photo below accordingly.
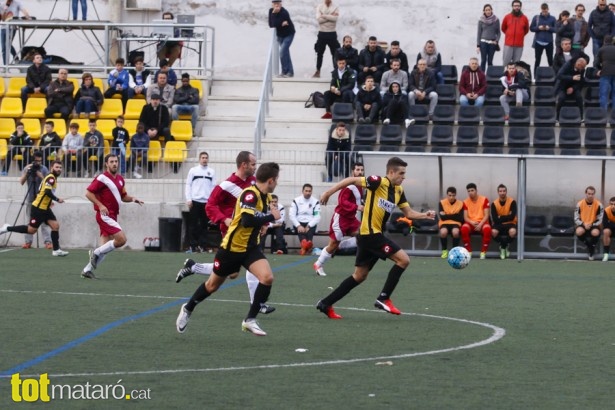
(227, 262)
(609, 225)
(374, 247)
(504, 228)
(450, 227)
(38, 216)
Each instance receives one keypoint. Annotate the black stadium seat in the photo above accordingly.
(365, 134)
(519, 116)
(544, 96)
(342, 112)
(447, 94)
(544, 76)
(536, 225)
(468, 115)
(519, 137)
(562, 225)
(545, 116)
(595, 138)
(493, 115)
(449, 72)
(595, 117)
(444, 114)
(416, 135)
(467, 135)
(544, 137)
(442, 135)
(391, 135)
(493, 93)
(494, 73)
(420, 113)
(569, 117)
(493, 136)
(570, 138)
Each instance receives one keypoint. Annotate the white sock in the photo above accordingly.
(348, 243)
(324, 257)
(252, 282)
(88, 267)
(202, 268)
(104, 249)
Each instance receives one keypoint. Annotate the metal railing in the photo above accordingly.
(271, 68)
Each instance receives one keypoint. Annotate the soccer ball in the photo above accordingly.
(459, 257)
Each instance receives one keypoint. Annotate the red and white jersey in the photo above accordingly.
(348, 201)
(221, 203)
(109, 190)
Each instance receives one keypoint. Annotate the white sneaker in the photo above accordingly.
(182, 319)
(4, 229)
(59, 252)
(319, 270)
(251, 325)
(605, 257)
(386, 121)
(137, 175)
(410, 122)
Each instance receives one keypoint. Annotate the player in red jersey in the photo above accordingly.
(106, 192)
(219, 209)
(344, 221)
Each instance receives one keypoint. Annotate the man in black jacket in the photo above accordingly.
(186, 101)
(368, 102)
(156, 115)
(566, 53)
(349, 53)
(571, 80)
(60, 96)
(38, 78)
(371, 61)
(343, 81)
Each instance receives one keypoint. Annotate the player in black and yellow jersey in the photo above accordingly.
(41, 210)
(383, 194)
(240, 247)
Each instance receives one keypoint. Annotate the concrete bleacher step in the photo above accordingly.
(288, 88)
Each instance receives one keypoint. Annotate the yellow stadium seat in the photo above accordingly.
(11, 107)
(181, 130)
(98, 82)
(106, 128)
(154, 153)
(198, 84)
(7, 127)
(131, 126)
(59, 126)
(133, 109)
(2, 87)
(111, 108)
(35, 108)
(77, 83)
(4, 149)
(32, 127)
(83, 124)
(175, 151)
(107, 149)
(128, 152)
(15, 86)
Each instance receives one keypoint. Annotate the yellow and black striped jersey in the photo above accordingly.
(382, 197)
(43, 199)
(239, 237)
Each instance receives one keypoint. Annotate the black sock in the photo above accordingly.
(607, 248)
(504, 241)
(455, 242)
(342, 290)
(199, 295)
(261, 294)
(391, 283)
(443, 243)
(55, 240)
(18, 228)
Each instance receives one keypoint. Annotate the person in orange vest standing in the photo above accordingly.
(476, 217)
(450, 219)
(504, 220)
(515, 27)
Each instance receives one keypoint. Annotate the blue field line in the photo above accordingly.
(74, 343)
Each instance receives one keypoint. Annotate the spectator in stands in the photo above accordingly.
(72, 144)
(581, 31)
(395, 108)
(326, 15)
(60, 96)
(472, 85)
(285, 32)
(49, 144)
(200, 182)
(343, 81)
(140, 79)
(305, 216)
(93, 145)
(84, 9)
(605, 63)
(515, 27)
(588, 215)
(433, 59)
(121, 137)
(422, 86)
(19, 144)
(166, 68)
(601, 22)
(38, 78)
(608, 227)
(139, 144)
(394, 75)
(276, 230)
(8, 11)
(450, 219)
(504, 220)
(514, 88)
(118, 81)
(348, 53)
(543, 27)
(396, 53)
(567, 53)
(165, 91)
(89, 99)
(476, 219)
(570, 83)
(488, 36)
(186, 101)
(338, 152)
(564, 28)
(156, 115)
(170, 50)
(371, 61)
(368, 102)
(612, 7)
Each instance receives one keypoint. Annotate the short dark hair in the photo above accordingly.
(340, 124)
(502, 186)
(137, 60)
(394, 43)
(108, 156)
(186, 75)
(203, 153)
(50, 123)
(590, 188)
(395, 162)
(266, 171)
(357, 164)
(471, 185)
(37, 154)
(57, 161)
(452, 190)
(120, 60)
(306, 186)
(372, 38)
(516, 1)
(163, 63)
(242, 157)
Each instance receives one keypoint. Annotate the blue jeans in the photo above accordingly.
(122, 158)
(607, 91)
(3, 39)
(181, 109)
(596, 44)
(487, 51)
(86, 106)
(84, 9)
(463, 100)
(287, 64)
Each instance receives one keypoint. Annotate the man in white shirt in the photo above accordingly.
(276, 230)
(305, 215)
(200, 181)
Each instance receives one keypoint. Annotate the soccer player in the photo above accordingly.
(451, 218)
(344, 221)
(587, 218)
(476, 217)
(240, 247)
(504, 220)
(106, 192)
(41, 210)
(383, 194)
(219, 209)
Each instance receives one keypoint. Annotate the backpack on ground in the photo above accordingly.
(316, 100)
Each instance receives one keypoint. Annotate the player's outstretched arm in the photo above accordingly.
(412, 214)
(324, 198)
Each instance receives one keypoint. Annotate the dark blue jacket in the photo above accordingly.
(601, 23)
(544, 36)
